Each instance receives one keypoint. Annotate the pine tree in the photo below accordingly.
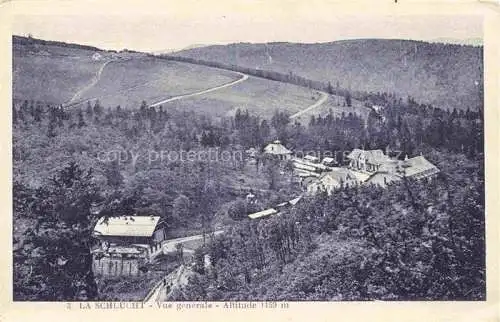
(55, 263)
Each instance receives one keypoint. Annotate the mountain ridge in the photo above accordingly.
(444, 75)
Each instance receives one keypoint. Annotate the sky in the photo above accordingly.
(178, 27)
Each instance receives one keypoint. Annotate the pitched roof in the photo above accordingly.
(132, 226)
(371, 156)
(419, 167)
(276, 148)
(263, 213)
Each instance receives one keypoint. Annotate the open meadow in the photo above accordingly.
(50, 74)
(129, 82)
(257, 95)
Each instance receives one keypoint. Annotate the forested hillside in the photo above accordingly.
(444, 75)
(68, 161)
(412, 241)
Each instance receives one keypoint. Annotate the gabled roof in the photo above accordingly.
(130, 226)
(371, 156)
(263, 213)
(276, 148)
(419, 166)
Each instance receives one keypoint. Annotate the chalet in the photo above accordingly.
(367, 160)
(278, 150)
(126, 244)
(146, 232)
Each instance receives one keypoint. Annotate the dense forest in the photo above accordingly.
(414, 240)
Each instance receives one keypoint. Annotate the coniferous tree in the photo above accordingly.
(56, 250)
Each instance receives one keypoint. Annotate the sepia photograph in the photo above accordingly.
(229, 157)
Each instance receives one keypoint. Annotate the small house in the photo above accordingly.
(145, 231)
(278, 150)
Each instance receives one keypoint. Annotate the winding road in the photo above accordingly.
(175, 98)
(93, 82)
(244, 77)
(323, 98)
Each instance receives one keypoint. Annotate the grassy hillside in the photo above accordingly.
(58, 73)
(127, 83)
(54, 72)
(437, 74)
(50, 72)
(261, 97)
